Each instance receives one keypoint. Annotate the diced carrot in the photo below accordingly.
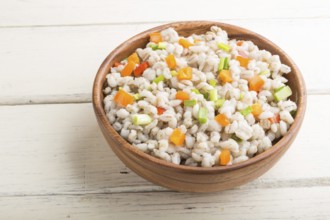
(256, 83)
(182, 95)
(140, 69)
(243, 61)
(185, 73)
(116, 64)
(134, 58)
(222, 120)
(160, 110)
(185, 43)
(224, 157)
(123, 98)
(256, 109)
(239, 43)
(128, 69)
(275, 119)
(156, 37)
(177, 137)
(225, 76)
(197, 41)
(171, 62)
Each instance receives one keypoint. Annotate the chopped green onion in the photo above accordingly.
(159, 79)
(202, 115)
(137, 96)
(213, 94)
(224, 47)
(265, 72)
(206, 95)
(246, 111)
(188, 103)
(283, 93)
(226, 64)
(174, 73)
(153, 46)
(279, 88)
(213, 82)
(195, 91)
(141, 119)
(161, 45)
(237, 139)
(218, 103)
(241, 96)
(221, 63)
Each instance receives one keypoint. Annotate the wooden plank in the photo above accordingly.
(50, 65)
(75, 12)
(284, 203)
(58, 149)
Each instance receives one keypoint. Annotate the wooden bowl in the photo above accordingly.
(197, 179)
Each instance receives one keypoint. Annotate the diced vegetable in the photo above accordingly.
(183, 42)
(177, 137)
(195, 91)
(218, 103)
(182, 95)
(197, 41)
(128, 69)
(156, 37)
(206, 95)
(224, 47)
(224, 157)
(239, 43)
(213, 82)
(246, 111)
(189, 103)
(225, 76)
(256, 83)
(123, 98)
(226, 64)
(283, 93)
(159, 79)
(241, 96)
(275, 119)
(213, 95)
(243, 61)
(137, 96)
(174, 73)
(116, 64)
(140, 69)
(161, 45)
(160, 110)
(153, 46)
(134, 58)
(221, 63)
(141, 119)
(256, 109)
(171, 62)
(265, 72)
(185, 73)
(202, 115)
(222, 120)
(237, 139)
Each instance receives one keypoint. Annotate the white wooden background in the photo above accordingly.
(54, 162)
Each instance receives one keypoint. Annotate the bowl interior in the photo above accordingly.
(296, 81)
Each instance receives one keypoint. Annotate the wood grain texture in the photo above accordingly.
(281, 203)
(58, 149)
(76, 12)
(71, 56)
(197, 179)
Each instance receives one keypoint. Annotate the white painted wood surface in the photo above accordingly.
(55, 163)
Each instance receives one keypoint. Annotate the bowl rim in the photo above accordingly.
(103, 120)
